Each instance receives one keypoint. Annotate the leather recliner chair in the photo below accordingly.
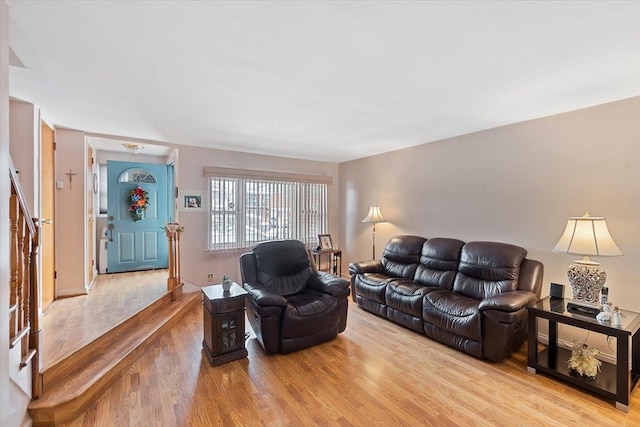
(290, 305)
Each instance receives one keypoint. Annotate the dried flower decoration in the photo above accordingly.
(583, 359)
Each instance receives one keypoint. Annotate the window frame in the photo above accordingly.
(300, 186)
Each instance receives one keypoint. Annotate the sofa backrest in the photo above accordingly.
(488, 268)
(439, 262)
(530, 278)
(282, 266)
(401, 256)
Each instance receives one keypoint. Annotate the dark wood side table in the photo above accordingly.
(333, 263)
(224, 323)
(614, 381)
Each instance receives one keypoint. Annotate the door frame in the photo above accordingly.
(102, 155)
(46, 257)
(90, 215)
(136, 233)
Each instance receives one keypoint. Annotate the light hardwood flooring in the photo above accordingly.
(376, 373)
(70, 323)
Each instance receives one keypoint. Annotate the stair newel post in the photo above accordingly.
(178, 265)
(171, 280)
(174, 282)
(35, 336)
(24, 246)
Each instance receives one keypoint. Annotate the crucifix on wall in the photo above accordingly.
(70, 174)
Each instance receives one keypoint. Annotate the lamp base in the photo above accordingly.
(587, 279)
(583, 308)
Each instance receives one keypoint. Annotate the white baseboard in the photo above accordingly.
(190, 287)
(69, 293)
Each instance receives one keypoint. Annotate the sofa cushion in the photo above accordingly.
(401, 256)
(439, 262)
(309, 313)
(454, 313)
(371, 286)
(488, 268)
(406, 296)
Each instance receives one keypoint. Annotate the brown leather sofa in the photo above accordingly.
(470, 296)
(290, 305)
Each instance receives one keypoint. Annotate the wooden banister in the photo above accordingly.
(24, 321)
(15, 188)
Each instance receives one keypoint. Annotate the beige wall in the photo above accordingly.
(196, 262)
(5, 193)
(25, 135)
(70, 213)
(515, 184)
(15, 392)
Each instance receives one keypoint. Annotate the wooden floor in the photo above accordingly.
(70, 323)
(375, 373)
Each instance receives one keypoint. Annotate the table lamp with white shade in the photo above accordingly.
(586, 236)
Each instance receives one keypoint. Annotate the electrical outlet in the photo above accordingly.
(210, 277)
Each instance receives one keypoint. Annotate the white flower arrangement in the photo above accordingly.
(583, 359)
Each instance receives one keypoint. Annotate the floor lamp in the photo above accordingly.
(374, 216)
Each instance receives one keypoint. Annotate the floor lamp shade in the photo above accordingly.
(374, 216)
(587, 236)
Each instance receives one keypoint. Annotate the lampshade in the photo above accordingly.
(374, 215)
(587, 235)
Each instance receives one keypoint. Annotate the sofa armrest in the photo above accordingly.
(508, 301)
(264, 297)
(374, 266)
(329, 284)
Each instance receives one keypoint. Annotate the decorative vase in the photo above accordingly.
(226, 284)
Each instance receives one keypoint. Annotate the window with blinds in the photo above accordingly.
(245, 211)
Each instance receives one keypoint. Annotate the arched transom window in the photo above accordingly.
(137, 176)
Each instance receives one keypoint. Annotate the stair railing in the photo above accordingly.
(173, 231)
(24, 319)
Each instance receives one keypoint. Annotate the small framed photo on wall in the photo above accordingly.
(191, 201)
(325, 242)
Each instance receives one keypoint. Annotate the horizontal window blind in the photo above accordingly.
(245, 211)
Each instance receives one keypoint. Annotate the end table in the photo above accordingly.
(614, 381)
(224, 323)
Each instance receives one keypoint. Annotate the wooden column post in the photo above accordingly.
(174, 281)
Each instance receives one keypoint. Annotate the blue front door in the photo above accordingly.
(139, 241)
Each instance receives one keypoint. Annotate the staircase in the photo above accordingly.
(73, 383)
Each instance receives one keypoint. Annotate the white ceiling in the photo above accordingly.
(319, 80)
(118, 146)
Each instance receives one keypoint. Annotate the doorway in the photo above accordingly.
(137, 209)
(47, 229)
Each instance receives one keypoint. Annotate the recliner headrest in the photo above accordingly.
(281, 257)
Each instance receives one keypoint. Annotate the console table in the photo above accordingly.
(224, 323)
(614, 381)
(333, 263)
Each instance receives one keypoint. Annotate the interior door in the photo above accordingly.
(91, 182)
(47, 229)
(142, 244)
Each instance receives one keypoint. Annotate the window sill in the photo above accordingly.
(226, 251)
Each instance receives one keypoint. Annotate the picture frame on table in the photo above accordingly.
(325, 242)
(191, 201)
